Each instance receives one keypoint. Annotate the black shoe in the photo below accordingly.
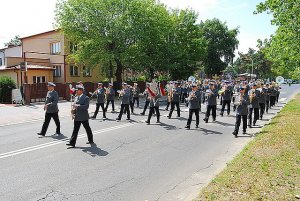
(58, 133)
(235, 133)
(40, 134)
(169, 117)
(187, 127)
(214, 120)
(71, 145)
(93, 117)
(197, 126)
(228, 114)
(205, 120)
(221, 114)
(142, 113)
(147, 122)
(244, 132)
(90, 143)
(250, 126)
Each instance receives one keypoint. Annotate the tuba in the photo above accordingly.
(251, 95)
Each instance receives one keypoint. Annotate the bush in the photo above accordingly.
(6, 86)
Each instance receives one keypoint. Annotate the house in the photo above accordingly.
(38, 70)
(52, 45)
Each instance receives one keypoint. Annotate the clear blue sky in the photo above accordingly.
(34, 16)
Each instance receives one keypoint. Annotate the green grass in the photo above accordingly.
(268, 168)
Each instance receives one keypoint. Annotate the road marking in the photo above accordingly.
(282, 99)
(56, 142)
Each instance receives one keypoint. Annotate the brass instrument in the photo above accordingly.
(252, 95)
(73, 107)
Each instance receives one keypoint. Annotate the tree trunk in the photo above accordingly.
(118, 73)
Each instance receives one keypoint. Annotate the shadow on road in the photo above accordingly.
(210, 132)
(224, 124)
(93, 150)
(168, 126)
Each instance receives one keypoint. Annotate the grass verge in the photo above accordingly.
(268, 168)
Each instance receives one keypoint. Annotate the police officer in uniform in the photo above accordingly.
(147, 99)
(154, 106)
(110, 97)
(254, 96)
(241, 111)
(175, 100)
(193, 104)
(81, 116)
(125, 94)
(100, 93)
(212, 94)
(226, 99)
(136, 93)
(51, 110)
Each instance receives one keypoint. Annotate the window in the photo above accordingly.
(87, 72)
(74, 70)
(73, 47)
(39, 79)
(55, 48)
(0, 61)
(57, 71)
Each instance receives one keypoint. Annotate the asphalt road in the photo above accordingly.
(131, 161)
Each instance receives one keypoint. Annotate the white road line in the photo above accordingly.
(56, 142)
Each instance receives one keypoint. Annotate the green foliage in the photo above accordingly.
(261, 65)
(142, 35)
(283, 49)
(6, 86)
(222, 43)
(141, 78)
(16, 41)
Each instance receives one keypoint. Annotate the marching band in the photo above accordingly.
(250, 100)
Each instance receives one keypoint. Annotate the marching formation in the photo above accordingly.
(249, 100)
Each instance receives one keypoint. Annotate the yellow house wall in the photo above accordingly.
(11, 74)
(96, 76)
(47, 73)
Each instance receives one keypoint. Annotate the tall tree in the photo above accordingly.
(222, 43)
(16, 41)
(283, 49)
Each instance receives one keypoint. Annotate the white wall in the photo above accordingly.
(2, 58)
(13, 52)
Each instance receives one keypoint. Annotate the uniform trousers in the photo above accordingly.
(213, 110)
(224, 103)
(145, 107)
(48, 117)
(262, 107)
(97, 109)
(256, 115)
(267, 105)
(173, 107)
(137, 99)
(112, 104)
(238, 122)
(191, 111)
(152, 111)
(76, 128)
(272, 101)
(124, 108)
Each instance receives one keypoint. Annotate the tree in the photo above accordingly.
(283, 48)
(222, 43)
(261, 65)
(16, 41)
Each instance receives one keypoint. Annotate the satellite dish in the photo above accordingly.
(191, 79)
(280, 80)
